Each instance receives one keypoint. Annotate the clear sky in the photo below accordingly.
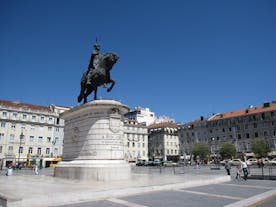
(183, 59)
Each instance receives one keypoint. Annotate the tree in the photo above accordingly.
(260, 148)
(201, 150)
(227, 151)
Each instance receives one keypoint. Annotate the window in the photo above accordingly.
(32, 127)
(14, 115)
(42, 118)
(39, 151)
(265, 133)
(40, 139)
(48, 139)
(50, 129)
(31, 138)
(255, 125)
(133, 144)
(3, 124)
(256, 134)
(143, 144)
(239, 136)
(24, 116)
(1, 149)
(33, 118)
(50, 119)
(4, 114)
(2, 135)
(13, 125)
(47, 151)
(30, 151)
(247, 135)
(20, 150)
(12, 138)
(10, 149)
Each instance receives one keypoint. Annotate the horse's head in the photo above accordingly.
(110, 59)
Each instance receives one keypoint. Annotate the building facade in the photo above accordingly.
(28, 131)
(191, 133)
(241, 127)
(135, 141)
(163, 141)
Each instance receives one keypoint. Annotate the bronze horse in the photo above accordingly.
(100, 76)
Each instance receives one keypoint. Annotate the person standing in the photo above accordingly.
(227, 167)
(238, 171)
(244, 169)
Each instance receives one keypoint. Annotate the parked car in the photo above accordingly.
(273, 162)
(236, 162)
(140, 163)
(157, 163)
(252, 161)
(170, 164)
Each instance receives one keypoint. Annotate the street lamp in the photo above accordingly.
(20, 143)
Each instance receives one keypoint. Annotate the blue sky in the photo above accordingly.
(183, 59)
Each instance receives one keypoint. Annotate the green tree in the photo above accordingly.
(260, 148)
(201, 150)
(227, 151)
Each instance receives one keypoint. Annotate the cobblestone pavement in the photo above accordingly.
(232, 193)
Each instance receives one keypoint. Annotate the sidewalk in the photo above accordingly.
(26, 189)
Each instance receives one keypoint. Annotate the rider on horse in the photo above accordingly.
(94, 62)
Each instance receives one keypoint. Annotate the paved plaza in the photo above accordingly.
(148, 187)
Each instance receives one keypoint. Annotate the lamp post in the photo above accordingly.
(20, 143)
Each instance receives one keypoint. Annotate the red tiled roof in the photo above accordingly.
(244, 112)
(18, 104)
(162, 125)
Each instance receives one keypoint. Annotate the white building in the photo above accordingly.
(28, 131)
(141, 115)
(164, 141)
(135, 141)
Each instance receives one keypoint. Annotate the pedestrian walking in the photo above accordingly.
(36, 170)
(244, 169)
(238, 172)
(227, 167)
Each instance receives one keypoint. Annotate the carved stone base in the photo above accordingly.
(93, 142)
(100, 170)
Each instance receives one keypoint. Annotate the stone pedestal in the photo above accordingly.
(93, 142)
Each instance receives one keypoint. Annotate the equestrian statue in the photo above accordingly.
(97, 74)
